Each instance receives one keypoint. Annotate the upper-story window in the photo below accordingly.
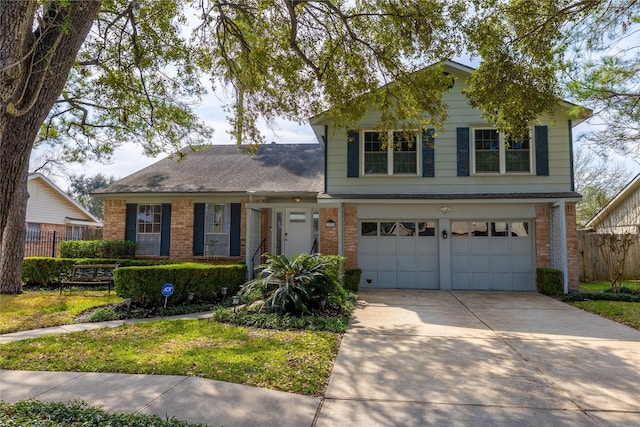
(496, 153)
(393, 154)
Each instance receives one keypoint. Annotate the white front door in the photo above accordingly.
(298, 231)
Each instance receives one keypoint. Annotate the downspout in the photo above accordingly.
(571, 165)
(325, 138)
(340, 231)
(563, 246)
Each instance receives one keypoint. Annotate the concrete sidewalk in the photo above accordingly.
(409, 358)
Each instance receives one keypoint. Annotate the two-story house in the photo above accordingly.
(460, 208)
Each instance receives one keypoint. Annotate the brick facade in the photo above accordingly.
(543, 241)
(181, 246)
(115, 217)
(329, 235)
(350, 233)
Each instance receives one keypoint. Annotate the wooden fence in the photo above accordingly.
(594, 268)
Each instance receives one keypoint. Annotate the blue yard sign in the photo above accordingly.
(167, 291)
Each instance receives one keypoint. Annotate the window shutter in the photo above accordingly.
(165, 230)
(428, 153)
(131, 222)
(234, 244)
(353, 154)
(198, 229)
(462, 136)
(542, 150)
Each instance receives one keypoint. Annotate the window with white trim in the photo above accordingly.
(149, 221)
(393, 154)
(494, 152)
(33, 232)
(217, 226)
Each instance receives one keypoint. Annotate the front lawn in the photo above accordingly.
(35, 309)
(293, 361)
(624, 312)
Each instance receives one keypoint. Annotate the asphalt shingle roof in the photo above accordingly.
(229, 169)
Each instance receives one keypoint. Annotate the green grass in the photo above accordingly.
(32, 413)
(621, 312)
(293, 361)
(603, 286)
(45, 308)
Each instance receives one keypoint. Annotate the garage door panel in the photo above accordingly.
(399, 260)
(427, 280)
(502, 261)
(522, 281)
(479, 263)
(480, 281)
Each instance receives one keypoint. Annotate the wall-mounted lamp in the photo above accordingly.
(297, 199)
(331, 223)
(445, 210)
(445, 234)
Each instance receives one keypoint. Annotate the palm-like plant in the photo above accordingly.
(294, 286)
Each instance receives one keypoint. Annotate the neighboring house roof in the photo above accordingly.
(49, 204)
(620, 202)
(275, 168)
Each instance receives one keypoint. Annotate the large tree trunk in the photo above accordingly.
(13, 242)
(34, 67)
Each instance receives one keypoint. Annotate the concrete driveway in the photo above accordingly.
(415, 358)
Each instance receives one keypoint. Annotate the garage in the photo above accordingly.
(478, 254)
(399, 254)
(492, 255)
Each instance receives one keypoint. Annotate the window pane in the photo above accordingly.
(427, 228)
(406, 228)
(148, 244)
(517, 160)
(520, 229)
(369, 229)
(297, 216)
(149, 222)
(487, 150)
(375, 154)
(216, 244)
(459, 229)
(499, 229)
(405, 156)
(387, 228)
(479, 229)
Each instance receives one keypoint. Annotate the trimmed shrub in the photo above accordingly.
(143, 284)
(549, 281)
(600, 296)
(46, 270)
(97, 249)
(351, 281)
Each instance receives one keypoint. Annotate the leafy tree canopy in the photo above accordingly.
(81, 187)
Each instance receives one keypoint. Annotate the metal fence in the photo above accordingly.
(47, 243)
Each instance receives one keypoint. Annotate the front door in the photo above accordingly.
(298, 231)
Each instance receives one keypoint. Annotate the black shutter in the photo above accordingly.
(353, 154)
(428, 153)
(198, 229)
(462, 137)
(131, 222)
(542, 150)
(165, 230)
(236, 213)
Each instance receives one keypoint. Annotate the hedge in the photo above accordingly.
(549, 281)
(97, 249)
(600, 296)
(352, 279)
(46, 270)
(143, 284)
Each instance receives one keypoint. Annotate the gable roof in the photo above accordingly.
(81, 216)
(275, 168)
(609, 208)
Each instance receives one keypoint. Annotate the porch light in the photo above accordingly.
(297, 199)
(445, 210)
(331, 223)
